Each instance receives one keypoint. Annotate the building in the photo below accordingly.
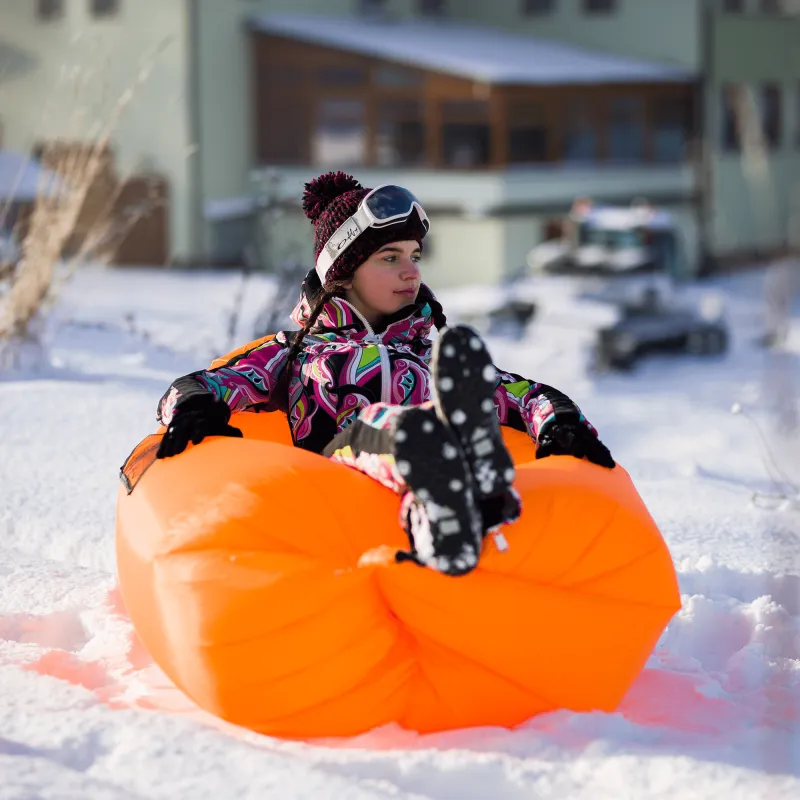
(746, 56)
(606, 98)
(496, 132)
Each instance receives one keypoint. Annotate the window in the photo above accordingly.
(731, 105)
(372, 7)
(284, 85)
(285, 143)
(580, 139)
(535, 8)
(340, 136)
(104, 8)
(466, 133)
(49, 9)
(432, 8)
(771, 108)
(527, 133)
(626, 130)
(285, 75)
(341, 75)
(599, 6)
(733, 6)
(797, 116)
(670, 129)
(400, 140)
(393, 75)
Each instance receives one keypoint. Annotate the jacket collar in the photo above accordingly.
(410, 322)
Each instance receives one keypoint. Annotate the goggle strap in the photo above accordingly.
(340, 240)
(354, 226)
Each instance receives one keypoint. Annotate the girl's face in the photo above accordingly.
(386, 282)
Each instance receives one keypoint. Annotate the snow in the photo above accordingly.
(716, 712)
(469, 51)
(22, 179)
(229, 208)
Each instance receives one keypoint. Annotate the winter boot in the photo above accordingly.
(443, 523)
(410, 451)
(464, 379)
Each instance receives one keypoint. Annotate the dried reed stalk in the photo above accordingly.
(32, 285)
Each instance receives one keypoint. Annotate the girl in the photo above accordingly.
(361, 382)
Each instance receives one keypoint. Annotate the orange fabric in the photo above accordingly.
(260, 578)
(223, 360)
(141, 458)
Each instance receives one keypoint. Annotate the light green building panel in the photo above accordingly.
(757, 47)
(78, 78)
(660, 30)
(224, 105)
(464, 251)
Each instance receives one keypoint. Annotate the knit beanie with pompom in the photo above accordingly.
(333, 197)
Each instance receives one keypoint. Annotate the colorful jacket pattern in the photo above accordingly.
(345, 366)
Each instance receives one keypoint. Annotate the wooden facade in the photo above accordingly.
(121, 220)
(328, 107)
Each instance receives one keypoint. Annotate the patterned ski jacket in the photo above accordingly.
(345, 366)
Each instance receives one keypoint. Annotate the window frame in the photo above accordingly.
(771, 8)
(637, 120)
(373, 8)
(528, 9)
(591, 7)
(481, 122)
(666, 113)
(432, 9)
(772, 134)
(528, 116)
(50, 10)
(456, 116)
(733, 6)
(104, 9)
(731, 96)
(796, 132)
(330, 114)
(391, 112)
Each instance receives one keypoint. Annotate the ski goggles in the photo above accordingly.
(384, 205)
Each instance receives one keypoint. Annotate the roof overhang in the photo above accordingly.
(480, 54)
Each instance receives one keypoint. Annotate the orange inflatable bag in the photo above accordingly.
(261, 579)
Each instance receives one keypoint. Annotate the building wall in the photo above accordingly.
(485, 223)
(755, 201)
(661, 30)
(756, 195)
(464, 251)
(67, 75)
(225, 106)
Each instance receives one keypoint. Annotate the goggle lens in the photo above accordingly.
(390, 203)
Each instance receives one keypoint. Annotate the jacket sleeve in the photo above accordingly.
(246, 380)
(531, 407)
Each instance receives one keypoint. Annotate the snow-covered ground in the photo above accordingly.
(716, 713)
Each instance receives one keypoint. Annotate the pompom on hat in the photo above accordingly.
(328, 201)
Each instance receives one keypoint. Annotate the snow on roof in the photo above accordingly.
(22, 178)
(481, 54)
(618, 218)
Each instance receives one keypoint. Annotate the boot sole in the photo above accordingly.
(441, 481)
(465, 379)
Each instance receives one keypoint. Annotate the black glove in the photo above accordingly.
(573, 439)
(200, 415)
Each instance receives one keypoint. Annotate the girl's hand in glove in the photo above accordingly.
(573, 439)
(198, 416)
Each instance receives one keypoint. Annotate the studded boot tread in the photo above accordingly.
(465, 380)
(444, 522)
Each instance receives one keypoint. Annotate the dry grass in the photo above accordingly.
(30, 287)
(51, 223)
